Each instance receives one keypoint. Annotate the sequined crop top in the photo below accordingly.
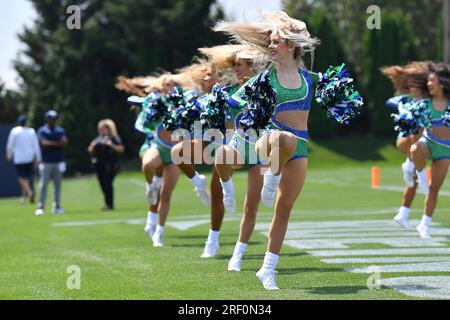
(287, 99)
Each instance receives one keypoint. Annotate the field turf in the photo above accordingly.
(117, 260)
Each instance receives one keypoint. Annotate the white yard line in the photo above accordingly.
(406, 252)
(385, 260)
(401, 189)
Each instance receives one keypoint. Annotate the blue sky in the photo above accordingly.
(15, 14)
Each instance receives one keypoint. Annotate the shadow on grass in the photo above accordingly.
(288, 271)
(338, 290)
(260, 256)
(190, 237)
(197, 245)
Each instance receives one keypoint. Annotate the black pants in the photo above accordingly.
(106, 172)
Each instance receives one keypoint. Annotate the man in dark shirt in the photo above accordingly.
(53, 140)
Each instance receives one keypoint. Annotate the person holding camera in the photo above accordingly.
(104, 150)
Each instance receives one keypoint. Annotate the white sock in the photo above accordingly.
(159, 230)
(422, 173)
(213, 236)
(426, 220)
(273, 178)
(157, 180)
(410, 165)
(227, 186)
(239, 249)
(404, 212)
(196, 180)
(270, 261)
(152, 218)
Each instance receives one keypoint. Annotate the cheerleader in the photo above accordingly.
(284, 145)
(157, 158)
(141, 87)
(221, 69)
(410, 82)
(435, 143)
(241, 151)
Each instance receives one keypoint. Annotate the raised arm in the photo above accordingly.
(236, 101)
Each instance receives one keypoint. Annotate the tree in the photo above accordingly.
(393, 44)
(74, 71)
(330, 52)
(440, 38)
(350, 17)
(10, 105)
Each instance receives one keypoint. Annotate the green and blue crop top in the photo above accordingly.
(287, 99)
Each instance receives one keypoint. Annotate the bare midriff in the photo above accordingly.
(440, 132)
(295, 119)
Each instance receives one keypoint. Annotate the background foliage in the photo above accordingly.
(74, 71)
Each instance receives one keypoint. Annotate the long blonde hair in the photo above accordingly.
(139, 86)
(414, 74)
(223, 59)
(257, 34)
(110, 124)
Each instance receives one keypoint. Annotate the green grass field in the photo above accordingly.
(117, 260)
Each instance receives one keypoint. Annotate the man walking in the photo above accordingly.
(23, 149)
(53, 140)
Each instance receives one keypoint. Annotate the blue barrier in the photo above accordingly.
(9, 187)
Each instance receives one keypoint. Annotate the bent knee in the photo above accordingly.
(403, 145)
(177, 150)
(286, 141)
(418, 148)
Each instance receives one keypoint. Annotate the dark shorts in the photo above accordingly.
(24, 170)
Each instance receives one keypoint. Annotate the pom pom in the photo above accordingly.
(446, 117)
(394, 102)
(136, 101)
(412, 117)
(153, 110)
(261, 102)
(183, 110)
(215, 113)
(336, 94)
(154, 107)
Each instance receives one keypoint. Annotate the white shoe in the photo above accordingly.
(39, 212)
(424, 231)
(22, 200)
(210, 250)
(235, 264)
(408, 175)
(423, 181)
(158, 240)
(58, 210)
(152, 193)
(267, 278)
(402, 221)
(269, 189)
(229, 202)
(202, 192)
(150, 229)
